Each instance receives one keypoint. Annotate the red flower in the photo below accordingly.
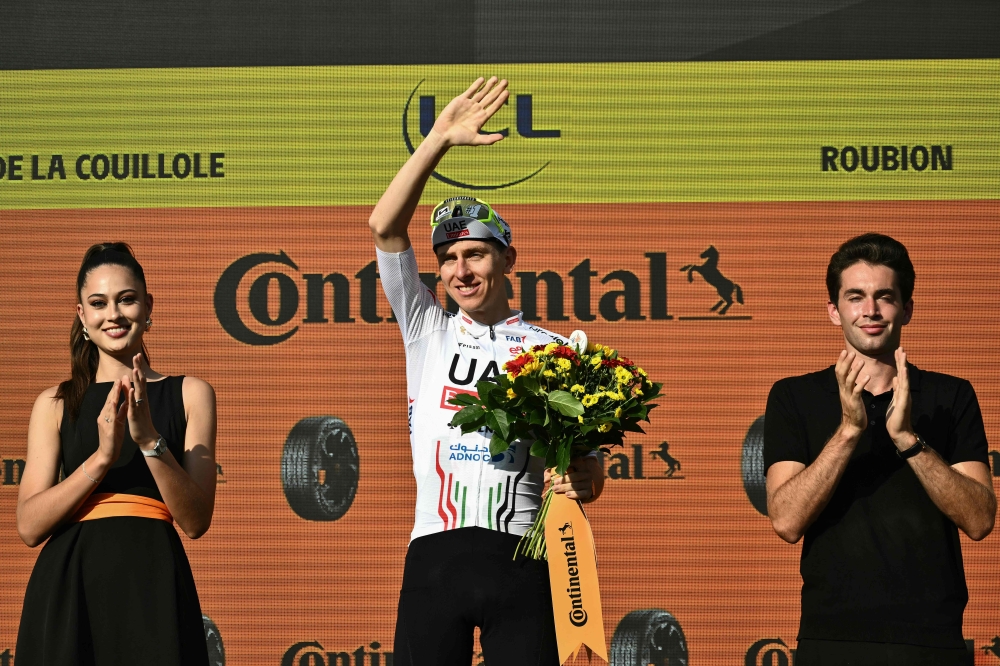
(514, 366)
(563, 351)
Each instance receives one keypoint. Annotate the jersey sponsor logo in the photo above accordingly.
(450, 392)
(469, 372)
(514, 338)
(516, 350)
(450, 235)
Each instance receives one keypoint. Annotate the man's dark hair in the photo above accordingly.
(876, 250)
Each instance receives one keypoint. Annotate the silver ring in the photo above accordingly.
(107, 419)
(138, 400)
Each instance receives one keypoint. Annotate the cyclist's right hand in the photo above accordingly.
(460, 121)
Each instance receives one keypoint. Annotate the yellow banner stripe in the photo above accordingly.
(632, 132)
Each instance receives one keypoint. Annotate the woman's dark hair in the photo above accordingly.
(84, 356)
(876, 250)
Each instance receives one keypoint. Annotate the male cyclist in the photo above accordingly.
(472, 508)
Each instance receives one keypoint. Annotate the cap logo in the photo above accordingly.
(442, 213)
(457, 212)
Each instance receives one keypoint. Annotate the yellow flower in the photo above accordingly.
(619, 396)
(641, 371)
(531, 367)
(564, 363)
(618, 413)
(549, 347)
(589, 400)
(622, 375)
(576, 388)
(604, 427)
(548, 373)
(580, 418)
(511, 394)
(596, 361)
(636, 391)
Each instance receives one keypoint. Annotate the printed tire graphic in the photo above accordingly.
(319, 468)
(752, 464)
(216, 653)
(649, 638)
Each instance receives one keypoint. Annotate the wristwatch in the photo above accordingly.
(913, 450)
(158, 449)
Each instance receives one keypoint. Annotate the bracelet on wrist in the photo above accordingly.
(83, 467)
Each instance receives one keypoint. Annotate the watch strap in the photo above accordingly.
(158, 449)
(919, 446)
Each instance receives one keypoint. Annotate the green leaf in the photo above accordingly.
(464, 399)
(468, 416)
(539, 449)
(491, 422)
(498, 444)
(562, 458)
(564, 403)
(633, 427)
(530, 383)
(503, 420)
(536, 417)
(488, 386)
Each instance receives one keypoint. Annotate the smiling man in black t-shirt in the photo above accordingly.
(878, 464)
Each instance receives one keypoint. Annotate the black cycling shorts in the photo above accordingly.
(460, 579)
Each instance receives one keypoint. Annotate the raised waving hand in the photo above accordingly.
(458, 125)
(460, 122)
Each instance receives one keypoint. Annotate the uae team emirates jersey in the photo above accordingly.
(459, 484)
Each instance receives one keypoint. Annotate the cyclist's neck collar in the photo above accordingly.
(477, 329)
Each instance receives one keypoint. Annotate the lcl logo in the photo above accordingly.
(524, 125)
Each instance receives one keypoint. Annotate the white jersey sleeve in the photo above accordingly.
(415, 306)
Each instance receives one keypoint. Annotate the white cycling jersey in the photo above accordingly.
(458, 483)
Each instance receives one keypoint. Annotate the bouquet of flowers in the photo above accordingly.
(567, 401)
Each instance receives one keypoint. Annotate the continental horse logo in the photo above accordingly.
(710, 271)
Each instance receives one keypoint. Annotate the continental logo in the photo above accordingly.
(525, 129)
(281, 297)
(567, 542)
(633, 463)
(869, 159)
(312, 653)
(770, 652)
(12, 470)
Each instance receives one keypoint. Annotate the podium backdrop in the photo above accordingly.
(682, 212)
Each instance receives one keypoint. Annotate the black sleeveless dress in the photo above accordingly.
(115, 591)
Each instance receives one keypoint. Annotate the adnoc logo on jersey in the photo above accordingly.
(524, 126)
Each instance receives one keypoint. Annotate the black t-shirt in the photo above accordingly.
(881, 563)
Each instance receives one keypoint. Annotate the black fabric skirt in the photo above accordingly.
(110, 592)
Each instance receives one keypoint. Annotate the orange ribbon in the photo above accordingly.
(576, 598)
(111, 505)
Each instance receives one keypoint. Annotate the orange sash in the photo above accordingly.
(576, 597)
(110, 505)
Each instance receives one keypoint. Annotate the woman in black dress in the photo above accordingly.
(113, 586)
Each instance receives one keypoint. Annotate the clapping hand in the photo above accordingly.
(111, 424)
(852, 408)
(897, 417)
(140, 422)
(460, 121)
